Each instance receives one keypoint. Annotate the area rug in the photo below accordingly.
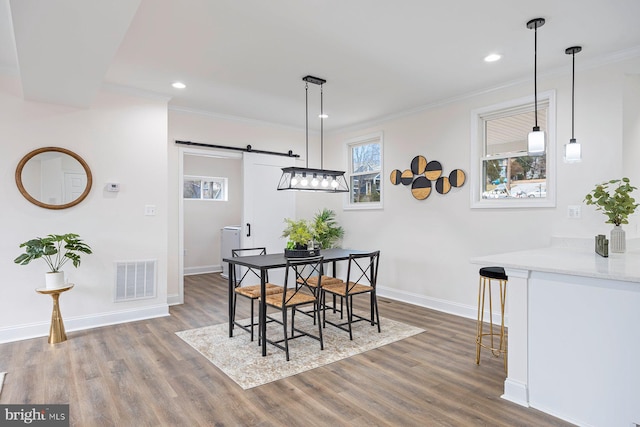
(240, 358)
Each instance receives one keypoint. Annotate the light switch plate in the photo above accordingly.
(149, 210)
(574, 211)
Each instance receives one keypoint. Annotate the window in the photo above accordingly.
(503, 173)
(205, 188)
(364, 172)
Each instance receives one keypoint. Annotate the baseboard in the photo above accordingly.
(190, 271)
(175, 299)
(470, 312)
(516, 392)
(457, 309)
(41, 329)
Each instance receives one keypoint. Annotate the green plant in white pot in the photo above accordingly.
(56, 250)
(614, 199)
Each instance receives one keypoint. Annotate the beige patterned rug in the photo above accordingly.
(241, 360)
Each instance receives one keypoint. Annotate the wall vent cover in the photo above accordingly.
(135, 280)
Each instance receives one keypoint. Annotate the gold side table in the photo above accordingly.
(56, 331)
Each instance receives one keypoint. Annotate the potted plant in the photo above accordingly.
(614, 199)
(300, 237)
(55, 250)
(325, 229)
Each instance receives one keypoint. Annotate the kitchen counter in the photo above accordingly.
(573, 322)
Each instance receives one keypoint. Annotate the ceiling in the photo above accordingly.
(246, 59)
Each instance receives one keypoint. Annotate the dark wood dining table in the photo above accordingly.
(263, 263)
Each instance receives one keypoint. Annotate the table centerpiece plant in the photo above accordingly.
(56, 250)
(614, 199)
(322, 232)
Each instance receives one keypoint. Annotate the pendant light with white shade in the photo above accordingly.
(535, 139)
(573, 150)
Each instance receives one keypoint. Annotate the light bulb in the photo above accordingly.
(325, 182)
(294, 181)
(334, 183)
(304, 182)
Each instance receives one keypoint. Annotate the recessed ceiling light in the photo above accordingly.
(492, 58)
(178, 85)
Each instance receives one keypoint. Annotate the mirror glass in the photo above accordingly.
(53, 178)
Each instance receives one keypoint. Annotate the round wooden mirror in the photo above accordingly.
(53, 178)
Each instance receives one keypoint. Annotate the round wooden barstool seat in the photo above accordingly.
(499, 348)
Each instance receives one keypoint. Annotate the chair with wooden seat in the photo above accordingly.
(242, 275)
(312, 282)
(299, 271)
(362, 276)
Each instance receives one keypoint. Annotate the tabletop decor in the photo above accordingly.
(306, 237)
(614, 199)
(55, 250)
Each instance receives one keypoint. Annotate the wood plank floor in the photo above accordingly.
(142, 374)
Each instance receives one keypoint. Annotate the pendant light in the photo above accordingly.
(572, 150)
(535, 140)
(308, 179)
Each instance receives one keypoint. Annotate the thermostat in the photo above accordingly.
(113, 186)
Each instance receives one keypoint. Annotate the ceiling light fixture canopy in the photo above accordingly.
(572, 150)
(535, 140)
(308, 179)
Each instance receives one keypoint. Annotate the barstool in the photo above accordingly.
(486, 275)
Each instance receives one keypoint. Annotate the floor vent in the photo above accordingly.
(135, 280)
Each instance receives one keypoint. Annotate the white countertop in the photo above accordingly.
(576, 261)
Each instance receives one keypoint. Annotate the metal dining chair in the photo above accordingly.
(362, 277)
(251, 292)
(300, 270)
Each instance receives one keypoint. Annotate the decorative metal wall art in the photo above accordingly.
(421, 174)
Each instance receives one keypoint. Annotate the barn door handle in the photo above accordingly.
(248, 230)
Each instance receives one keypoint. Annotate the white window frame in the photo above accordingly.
(223, 180)
(376, 137)
(478, 152)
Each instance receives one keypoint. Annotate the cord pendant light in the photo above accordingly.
(535, 139)
(573, 150)
(308, 179)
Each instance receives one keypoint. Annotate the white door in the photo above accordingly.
(265, 208)
(74, 185)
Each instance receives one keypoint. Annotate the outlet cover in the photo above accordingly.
(149, 210)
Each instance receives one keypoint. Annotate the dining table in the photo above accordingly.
(264, 263)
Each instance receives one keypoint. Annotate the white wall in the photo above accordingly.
(204, 219)
(425, 245)
(122, 139)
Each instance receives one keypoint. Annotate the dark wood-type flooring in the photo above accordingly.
(142, 374)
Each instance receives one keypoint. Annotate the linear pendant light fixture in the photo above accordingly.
(535, 140)
(572, 150)
(308, 179)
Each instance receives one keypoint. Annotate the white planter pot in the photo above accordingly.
(54, 280)
(617, 242)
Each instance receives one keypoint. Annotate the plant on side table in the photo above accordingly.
(55, 250)
(614, 199)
